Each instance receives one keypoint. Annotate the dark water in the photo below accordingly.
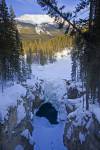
(49, 112)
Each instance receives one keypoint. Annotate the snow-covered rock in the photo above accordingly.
(19, 147)
(82, 131)
(10, 97)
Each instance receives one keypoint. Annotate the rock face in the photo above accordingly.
(82, 136)
(37, 103)
(48, 111)
(74, 90)
(73, 93)
(10, 132)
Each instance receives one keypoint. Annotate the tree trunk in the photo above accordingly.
(87, 97)
(97, 21)
(91, 16)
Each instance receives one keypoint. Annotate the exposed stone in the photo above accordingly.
(37, 103)
(11, 132)
(73, 93)
(69, 108)
(83, 137)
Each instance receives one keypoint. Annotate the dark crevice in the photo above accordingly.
(49, 112)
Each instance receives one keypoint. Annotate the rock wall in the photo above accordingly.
(10, 132)
(83, 135)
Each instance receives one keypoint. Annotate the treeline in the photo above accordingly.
(9, 37)
(48, 46)
(10, 46)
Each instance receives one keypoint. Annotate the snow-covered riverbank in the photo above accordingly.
(52, 78)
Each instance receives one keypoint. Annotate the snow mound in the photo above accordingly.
(9, 98)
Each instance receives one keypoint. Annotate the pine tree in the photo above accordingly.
(88, 44)
(4, 25)
(10, 45)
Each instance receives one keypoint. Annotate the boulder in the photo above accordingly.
(84, 136)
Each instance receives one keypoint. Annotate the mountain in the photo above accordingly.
(37, 26)
(35, 19)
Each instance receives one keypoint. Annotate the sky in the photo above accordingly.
(31, 7)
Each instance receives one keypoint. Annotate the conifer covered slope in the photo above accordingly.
(37, 26)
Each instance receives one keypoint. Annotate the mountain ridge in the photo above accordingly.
(37, 26)
(35, 19)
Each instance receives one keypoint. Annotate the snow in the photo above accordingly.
(81, 137)
(50, 80)
(47, 136)
(69, 133)
(52, 77)
(20, 113)
(19, 147)
(62, 113)
(9, 98)
(59, 70)
(48, 33)
(27, 135)
(35, 19)
(39, 30)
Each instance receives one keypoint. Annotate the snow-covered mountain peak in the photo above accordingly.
(35, 19)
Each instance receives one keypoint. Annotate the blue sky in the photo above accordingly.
(31, 7)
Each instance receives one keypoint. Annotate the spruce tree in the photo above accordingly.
(4, 26)
(10, 45)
